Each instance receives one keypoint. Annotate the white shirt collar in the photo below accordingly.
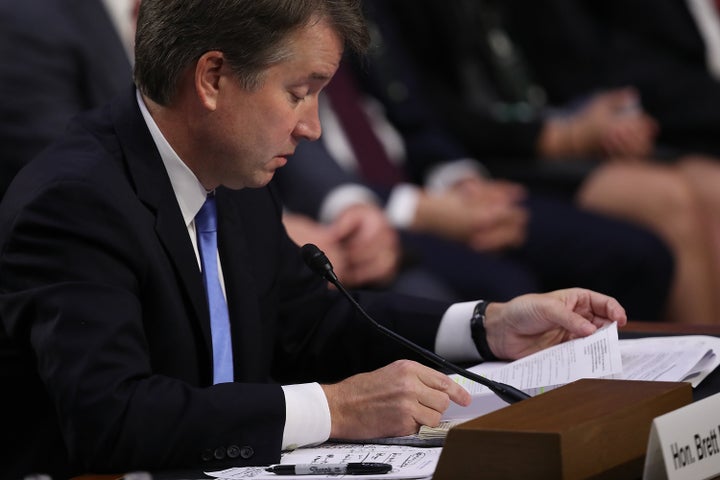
(189, 192)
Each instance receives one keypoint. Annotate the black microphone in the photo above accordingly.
(320, 264)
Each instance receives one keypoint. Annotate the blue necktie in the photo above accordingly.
(206, 226)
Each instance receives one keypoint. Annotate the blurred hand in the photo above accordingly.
(371, 245)
(610, 124)
(532, 322)
(361, 244)
(392, 401)
(303, 229)
(483, 214)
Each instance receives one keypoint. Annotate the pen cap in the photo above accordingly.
(368, 468)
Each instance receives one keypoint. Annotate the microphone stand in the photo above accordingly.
(320, 264)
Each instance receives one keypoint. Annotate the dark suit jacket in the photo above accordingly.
(57, 58)
(109, 334)
(446, 43)
(439, 55)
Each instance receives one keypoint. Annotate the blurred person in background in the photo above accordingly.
(478, 81)
(57, 58)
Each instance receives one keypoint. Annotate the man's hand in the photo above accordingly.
(611, 124)
(485, 215)
(371, 245)
(303, 229)
(392, 401)
(361, 244)
(532, 322)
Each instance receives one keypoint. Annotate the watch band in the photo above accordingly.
(479, 335)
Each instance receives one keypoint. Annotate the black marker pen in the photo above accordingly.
(363, 468)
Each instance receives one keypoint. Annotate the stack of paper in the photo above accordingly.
(601, 355)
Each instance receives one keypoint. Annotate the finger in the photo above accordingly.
(375, 273)
(365, 248)
(439, 381)
(495, 239)
(608, 308)
(510, 233)
(489, 242)
(600, 308)
(575, 324)
(435, 400)
(427, 416)
(347, 225)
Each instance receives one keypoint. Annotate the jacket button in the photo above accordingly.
(233, 451)
(246, 452)
(206, 455)
(219, 453)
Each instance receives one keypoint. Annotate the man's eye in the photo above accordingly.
(297, 95)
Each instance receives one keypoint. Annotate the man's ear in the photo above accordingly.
(208, 71)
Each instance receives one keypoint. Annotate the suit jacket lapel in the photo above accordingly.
(240, 287)
(153, 187)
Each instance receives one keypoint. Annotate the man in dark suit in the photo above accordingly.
(101, 292)
(56, 59)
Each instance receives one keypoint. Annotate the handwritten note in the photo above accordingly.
(407, 462)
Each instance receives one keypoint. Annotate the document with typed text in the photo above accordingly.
(679, 358)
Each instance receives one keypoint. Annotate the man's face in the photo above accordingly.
(253, 132)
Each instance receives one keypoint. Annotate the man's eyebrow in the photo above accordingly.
(320, 76)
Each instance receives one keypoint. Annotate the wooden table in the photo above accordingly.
(670, 328)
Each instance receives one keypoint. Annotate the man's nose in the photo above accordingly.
(308, 127)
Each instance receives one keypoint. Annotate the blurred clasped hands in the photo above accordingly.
(609, 124)
(361, 244)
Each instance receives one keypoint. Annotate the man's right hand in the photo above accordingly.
(392, 401)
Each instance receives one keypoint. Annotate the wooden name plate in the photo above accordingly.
(587, 429)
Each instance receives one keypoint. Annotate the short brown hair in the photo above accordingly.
(172, 34)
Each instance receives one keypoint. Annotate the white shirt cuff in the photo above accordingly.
(343, 197)
(442, 177)
(402, 205)
(454, 340)
(307, 416)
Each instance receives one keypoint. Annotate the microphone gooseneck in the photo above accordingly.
(320, 264)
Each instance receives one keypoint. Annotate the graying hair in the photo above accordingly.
(252, 34)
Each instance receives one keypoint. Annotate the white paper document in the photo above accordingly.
(407, 462)
(595, 356)
(686, 358)
(601, 355)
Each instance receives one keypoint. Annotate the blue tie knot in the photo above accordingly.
(206, 219)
